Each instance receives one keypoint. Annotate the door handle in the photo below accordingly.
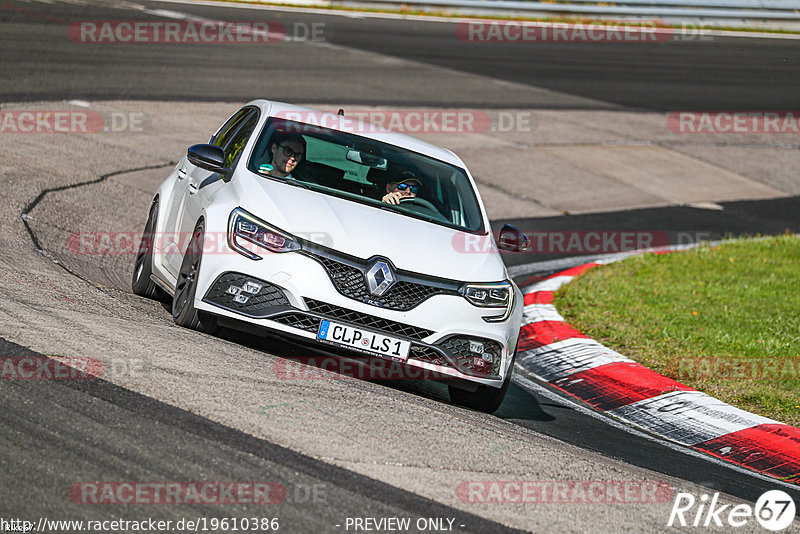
(181, 174)
(192, 188)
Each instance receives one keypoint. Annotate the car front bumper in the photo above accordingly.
(297, 291)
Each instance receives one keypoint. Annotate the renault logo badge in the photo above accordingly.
(379, 278)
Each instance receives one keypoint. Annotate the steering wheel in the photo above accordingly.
(424, 205)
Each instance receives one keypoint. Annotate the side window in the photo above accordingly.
(239, 139)
(229, 128)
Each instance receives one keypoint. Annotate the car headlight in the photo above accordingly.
(248, 235)
(498, 295)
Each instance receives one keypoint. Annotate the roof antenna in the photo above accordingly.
(340, 112)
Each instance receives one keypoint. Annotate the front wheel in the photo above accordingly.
(486, 398)
(183, 311)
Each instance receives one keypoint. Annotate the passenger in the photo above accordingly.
(287, 152)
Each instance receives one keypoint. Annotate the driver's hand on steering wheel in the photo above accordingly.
(395, 197)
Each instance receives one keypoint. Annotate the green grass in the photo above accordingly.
(722, 319)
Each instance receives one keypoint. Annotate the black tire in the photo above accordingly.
(183, 311)
(143, 266)
(486, 399)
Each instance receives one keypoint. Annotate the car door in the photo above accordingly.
(187, 182)
(202, 184)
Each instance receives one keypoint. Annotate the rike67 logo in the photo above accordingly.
(774, 510)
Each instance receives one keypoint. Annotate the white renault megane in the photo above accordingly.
(333, 230)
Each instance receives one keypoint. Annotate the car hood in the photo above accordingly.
(366, 231)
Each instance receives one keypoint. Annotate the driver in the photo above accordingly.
(406, 185)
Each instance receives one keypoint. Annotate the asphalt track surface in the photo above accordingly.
(318, 495)
(720, 74)
(725, 74)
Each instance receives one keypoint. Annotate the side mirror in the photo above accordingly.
(208, 157)
(511, 239)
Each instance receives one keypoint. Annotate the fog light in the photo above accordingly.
(241, 299)
(476, 346)
(479, 365)
(251, 287)
(233, 290)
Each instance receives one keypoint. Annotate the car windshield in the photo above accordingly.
(364, 170)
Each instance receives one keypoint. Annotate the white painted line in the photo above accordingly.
(688, 417)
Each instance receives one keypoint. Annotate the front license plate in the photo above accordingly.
(364, 340)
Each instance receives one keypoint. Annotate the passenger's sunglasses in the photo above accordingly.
(403, 186)
(289, 153)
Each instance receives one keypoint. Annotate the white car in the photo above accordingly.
(320, 255)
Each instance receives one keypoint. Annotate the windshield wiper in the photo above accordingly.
(414, 214)
(392, 208)
(291, 181)
(295, 182)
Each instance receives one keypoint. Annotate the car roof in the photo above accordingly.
(359, 127)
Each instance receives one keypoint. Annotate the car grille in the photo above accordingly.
(364, 319)
(300, 320)
(403, 295)
(266, 301)
(453, 352)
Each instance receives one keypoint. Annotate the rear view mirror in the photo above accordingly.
(208, 157)
(511, 239)
(365, 158)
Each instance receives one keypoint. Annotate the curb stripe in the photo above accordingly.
(688, 417)
(773, 449)
(542, 333)
(538, 297)
(563, 358)
(540, 312)
(614, 385)
(577, 270)
(557, 353)
(549, 284)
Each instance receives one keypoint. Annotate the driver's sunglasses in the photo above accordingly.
(403, 186)
(289, 153)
